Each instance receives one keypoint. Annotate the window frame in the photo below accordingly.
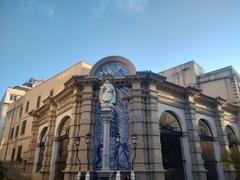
(51, 92)
(13, 154)
(11, 133)
(16, 131)
(27, 106)
(23, 127)
(38, 101)
(20, 111)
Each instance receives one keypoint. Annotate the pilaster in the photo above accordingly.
(222, 139)
(45, 170)
(86, 124)
(33, 143)
(143, 116)
(72, 164)
(153, 132)
(198, 169)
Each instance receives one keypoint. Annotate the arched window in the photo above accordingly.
(169, 122)
(171, 147)
(207, 147)
(62, 148)
(41, 146)
(64, 128)
(231, 136)
(204, 130)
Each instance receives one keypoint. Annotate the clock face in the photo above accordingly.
(65, 128)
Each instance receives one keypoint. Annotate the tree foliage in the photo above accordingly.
(3, 171)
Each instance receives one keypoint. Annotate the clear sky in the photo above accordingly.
(39, 38)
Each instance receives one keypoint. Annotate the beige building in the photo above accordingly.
(11, 95)
(184, 75)
(157, 128)
(223, 82)
(17, 135)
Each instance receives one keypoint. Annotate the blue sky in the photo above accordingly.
(39, 38)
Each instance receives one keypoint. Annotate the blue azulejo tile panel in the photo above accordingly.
(119, 122)
(114, 69)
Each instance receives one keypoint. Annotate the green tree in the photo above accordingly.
(3, 171)
(233, 158)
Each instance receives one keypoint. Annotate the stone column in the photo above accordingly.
(106, 115)
(153, 134)
(136, 113)
(72, 164)
(144, 123)
(137, 126)
(86, 124)
(45, 170)
(198, 169)
(222, 139)
(238, 126)
(33, 143)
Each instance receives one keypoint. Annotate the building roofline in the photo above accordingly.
(80, 62)
(188, 62)
(218, 71)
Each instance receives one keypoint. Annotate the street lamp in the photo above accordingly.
(88, 142)
(134, 144)
(117, 140)
(77, 142)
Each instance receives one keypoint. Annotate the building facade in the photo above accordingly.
(224, 82)
(180, 133)
(17, 129)
(11, 95)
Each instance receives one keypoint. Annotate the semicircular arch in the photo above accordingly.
(210, 123)
(43, 134)
(170, 120)
(204, 128)
(115, 66)
(63, 126)
(234, 128)
(231, 135)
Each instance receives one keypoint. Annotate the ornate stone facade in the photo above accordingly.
(141, 100)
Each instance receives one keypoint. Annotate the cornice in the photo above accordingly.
(34, 113)
(62, 96)
(205, 111)
(231, 108)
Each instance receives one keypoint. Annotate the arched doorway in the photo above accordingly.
(41, 146)
(62, 148)
(231, 136)
(208, 155)
(171, 133)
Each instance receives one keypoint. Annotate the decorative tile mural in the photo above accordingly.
(119, 122)
(115, 69)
